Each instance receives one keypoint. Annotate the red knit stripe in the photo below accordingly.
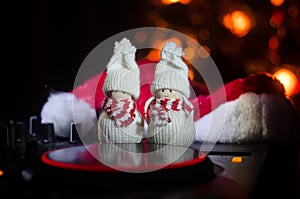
(175, 105)
(117, 109)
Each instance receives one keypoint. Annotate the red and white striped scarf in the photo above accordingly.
(159, 107)
(122, 111)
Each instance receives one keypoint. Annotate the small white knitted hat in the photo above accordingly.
(122, 70)
(171, 72)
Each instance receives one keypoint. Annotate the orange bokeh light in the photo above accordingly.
(237, 22)
(153, 55)
(191, 75)
(288, 79)
(168, 2)
(277, 2)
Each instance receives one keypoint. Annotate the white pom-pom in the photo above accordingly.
(124, 47)
(172, 54)
(61, 108)
(171, 49)
(124, 56)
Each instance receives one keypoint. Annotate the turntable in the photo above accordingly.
(63, 168)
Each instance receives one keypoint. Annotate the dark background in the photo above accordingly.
(44, 42)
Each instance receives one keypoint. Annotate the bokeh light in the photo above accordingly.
(288, 79)
(237, 22)
(168, 2)
(277, 2)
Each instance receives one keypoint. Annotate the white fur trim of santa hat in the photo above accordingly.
(252, 117)
(171, 72)
(122, 70)
(60, 109)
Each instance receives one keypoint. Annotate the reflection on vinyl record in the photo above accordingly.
(139, 158)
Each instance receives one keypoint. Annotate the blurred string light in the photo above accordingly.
(293, 11)
(237, 22)
(271, 27)
(284, 73)
(277, 2)
(279, 22)
(168, 2)
(277, 19)
(273, 42)
(140, 37)
(203, 52)
(288, 79)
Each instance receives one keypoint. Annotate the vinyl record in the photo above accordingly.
(143, 164)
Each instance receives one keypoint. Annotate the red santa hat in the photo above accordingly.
(255, 108)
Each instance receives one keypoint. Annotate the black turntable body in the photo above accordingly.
(35, 167)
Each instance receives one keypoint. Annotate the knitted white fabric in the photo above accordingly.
(171, 72)
(124, 157)
(122, 70)
(180, 131)
(108, 132)
(123, 75)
